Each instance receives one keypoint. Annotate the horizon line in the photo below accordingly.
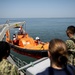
(37, 17)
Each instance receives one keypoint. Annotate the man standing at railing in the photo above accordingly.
(6, 68)
(71, 43)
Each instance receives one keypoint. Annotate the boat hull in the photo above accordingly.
(27, 52)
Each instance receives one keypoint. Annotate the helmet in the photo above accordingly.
(19, 28)
(37, 38)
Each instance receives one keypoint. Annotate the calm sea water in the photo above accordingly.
(45, 28)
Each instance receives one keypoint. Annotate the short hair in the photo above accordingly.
(4, 49)
(58, 51)
(71, 29)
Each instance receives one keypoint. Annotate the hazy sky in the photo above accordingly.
(37, 8)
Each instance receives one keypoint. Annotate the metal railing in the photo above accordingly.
(19, 63)
(32, 63)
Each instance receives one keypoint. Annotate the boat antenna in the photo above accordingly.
(24, 26)
(7, 22)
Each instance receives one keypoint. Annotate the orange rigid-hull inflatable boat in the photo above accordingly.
(24, 44)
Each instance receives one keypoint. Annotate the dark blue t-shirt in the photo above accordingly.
(68, 70)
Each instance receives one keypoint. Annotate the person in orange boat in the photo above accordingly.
(38, 41)
(15, 40)
(21, 30)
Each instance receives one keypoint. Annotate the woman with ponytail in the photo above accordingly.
(58, 56)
